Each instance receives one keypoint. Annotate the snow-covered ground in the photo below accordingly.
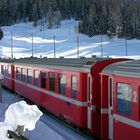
(46, 128)
(19, 114)
(66, 42)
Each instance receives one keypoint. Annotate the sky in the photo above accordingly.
(65, 41)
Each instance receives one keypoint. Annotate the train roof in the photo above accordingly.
(74, 62)
(7, 60)
(79, 64)
(130, 68)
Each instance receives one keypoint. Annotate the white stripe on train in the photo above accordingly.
(67, 99)
(125, 120)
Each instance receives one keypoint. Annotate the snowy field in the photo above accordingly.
(23, 37)
(46, 128)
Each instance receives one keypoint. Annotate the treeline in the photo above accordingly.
(45, 12)
(111, 17)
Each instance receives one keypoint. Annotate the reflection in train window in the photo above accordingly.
(23, 74)
(36, 78)
(43, 79)
(5, 70)
(18, 72)
(2, 69)
(62, 84)
(124, 99)
(29, 76)
(9, 71)
(74, 86)
(51, 81)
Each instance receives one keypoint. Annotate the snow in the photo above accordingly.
(43, 132)
(65, 42)
(45, 128)
(22, 114)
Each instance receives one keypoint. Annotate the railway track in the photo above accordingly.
(48, 118)
(67, 125)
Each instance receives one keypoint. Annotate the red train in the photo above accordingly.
(88, 92)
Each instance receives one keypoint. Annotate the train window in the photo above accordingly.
(51, 81)
(43, 79)
(124, 99)
(6, 70)
(2, 69)
(23, 74)
(62, 84)
(29, 76)
(18, 70)
(89, 89)
(36, 78)
(74, 86)
(9, 70)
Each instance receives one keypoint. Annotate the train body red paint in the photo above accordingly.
(83, 91)
(121, 100)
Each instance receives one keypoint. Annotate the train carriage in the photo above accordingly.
(7, 69)
(69, 88)
(123, 105)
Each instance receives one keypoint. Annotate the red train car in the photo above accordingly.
(69, 88)
(122, 118)
(7, 69)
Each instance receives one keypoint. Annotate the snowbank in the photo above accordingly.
(19, 113)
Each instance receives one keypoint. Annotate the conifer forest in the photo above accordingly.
(111, 17)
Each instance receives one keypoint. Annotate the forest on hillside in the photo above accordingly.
(111, 17)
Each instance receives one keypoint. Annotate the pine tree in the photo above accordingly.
(57, 18)
(1, 34)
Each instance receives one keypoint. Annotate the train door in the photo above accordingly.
(89, 101)
(110, 101)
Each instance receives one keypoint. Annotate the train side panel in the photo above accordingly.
(126, 108)
(73, 108)
(104, 106)
(95, 102)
